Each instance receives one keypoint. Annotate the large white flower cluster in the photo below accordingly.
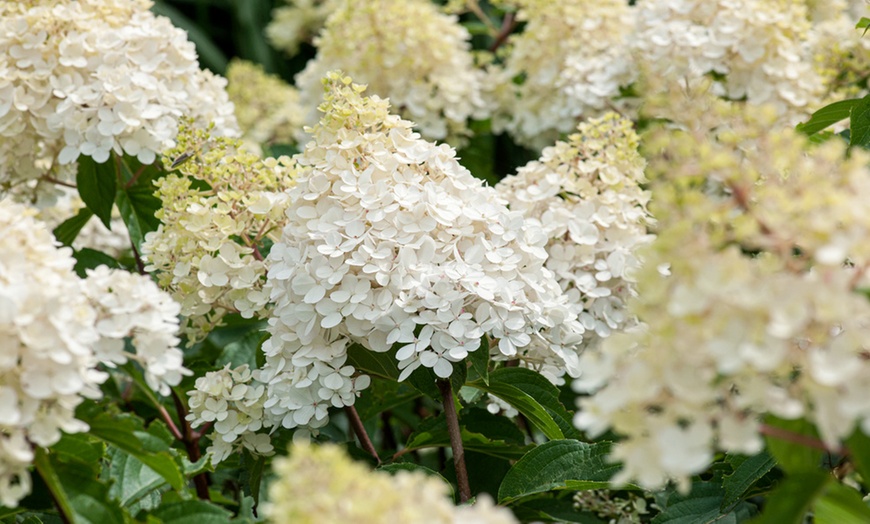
(232, 400)
(571, 60)
(322, 484)
(88, 77)
(761, 49)
(586, 194)
(407, 51)
(55, 330)
(765, 241)
(391, 243)
(206, 251)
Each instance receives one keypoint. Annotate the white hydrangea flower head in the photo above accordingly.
(761, 49)
(405, 50)
(47, 335)
(206, 251)
(298, 23)
(89, 77)
(322, 484)
(391, 243)
(586, 194)
(730, 337)
(94, 235)
(131, 305)
(267, 108)
(572, 58)
(232, 400)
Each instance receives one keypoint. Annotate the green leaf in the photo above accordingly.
(555, 464)
(828, 115)
(256, 478)
(509, 384)
(543, 391)
(549, 509)
(792, 498)
(137, 209)
(859, 123)
(87, 258)
(747, 471)
(859, 451)
(432, 432)
(190, 511)
(840, 505)
(96, 184)
(69, 229)
(135, 485)
(864, 24)
(702, 506)
(126, 433)
(791, 456)
(373, 363)
(479, 360)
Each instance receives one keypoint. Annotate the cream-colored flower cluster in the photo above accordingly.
(569, 63)
(759, 49)
(586, 194)
(298, 22)
(267, 109)
(232, 400)
(54, 331)
(88, 77)
(390, 242)
(322, 484)
(219, 211)
(764, 240)
(405, 50)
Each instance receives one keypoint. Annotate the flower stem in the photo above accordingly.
(191, 443)
(455, 439)
(796, 438)
(360, 430)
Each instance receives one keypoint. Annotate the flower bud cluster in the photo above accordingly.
(55, 329)
(232, 400)
(407, 51)
(391, 244)
(764, 240)
(586, 195)
(267, 109)
(573, 57)
(218, 212)
(89, 77)
(322, 484)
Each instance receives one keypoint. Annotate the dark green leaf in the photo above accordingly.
(480, 360)
(747, 471)
(792, 498)
(190, 511)
(701, 506)
(792, 456)
(828, 115)
(859, 123)
(373, 363)
(840, 505)
(554, 464)
(432, 433)
(135, 485)
(96, 184)
(559, 510)
(87, 258)
(859, 451)
(864, 24)
(137, 209)
(69, 229)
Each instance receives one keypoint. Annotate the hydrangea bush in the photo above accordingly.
(491, 261)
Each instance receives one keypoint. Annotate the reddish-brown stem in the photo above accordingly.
(198, 434)
(455, 439)
(191, 443)
(252, 245)
(797, 438)
(139, 264)
(360, 431)
(171, 423)
(58, 182)
(136, 176)
(507, 27)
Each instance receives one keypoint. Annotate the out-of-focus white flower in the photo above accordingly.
(407, 51)
(390, 242)
(89, 77)
(298, 22)
(569, 63)
(322, 484)
(586, 195)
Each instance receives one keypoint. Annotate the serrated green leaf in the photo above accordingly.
(126, 433)
(189, 511)
(96, 184)
(70, 228)
(840, 505)
(747, 471)
(701, 506)
(79, 446)
(789, 502)
(516, 387)
(827, 116)
(792, 456)
(134, 485)
(859, 123)
(553, 464)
